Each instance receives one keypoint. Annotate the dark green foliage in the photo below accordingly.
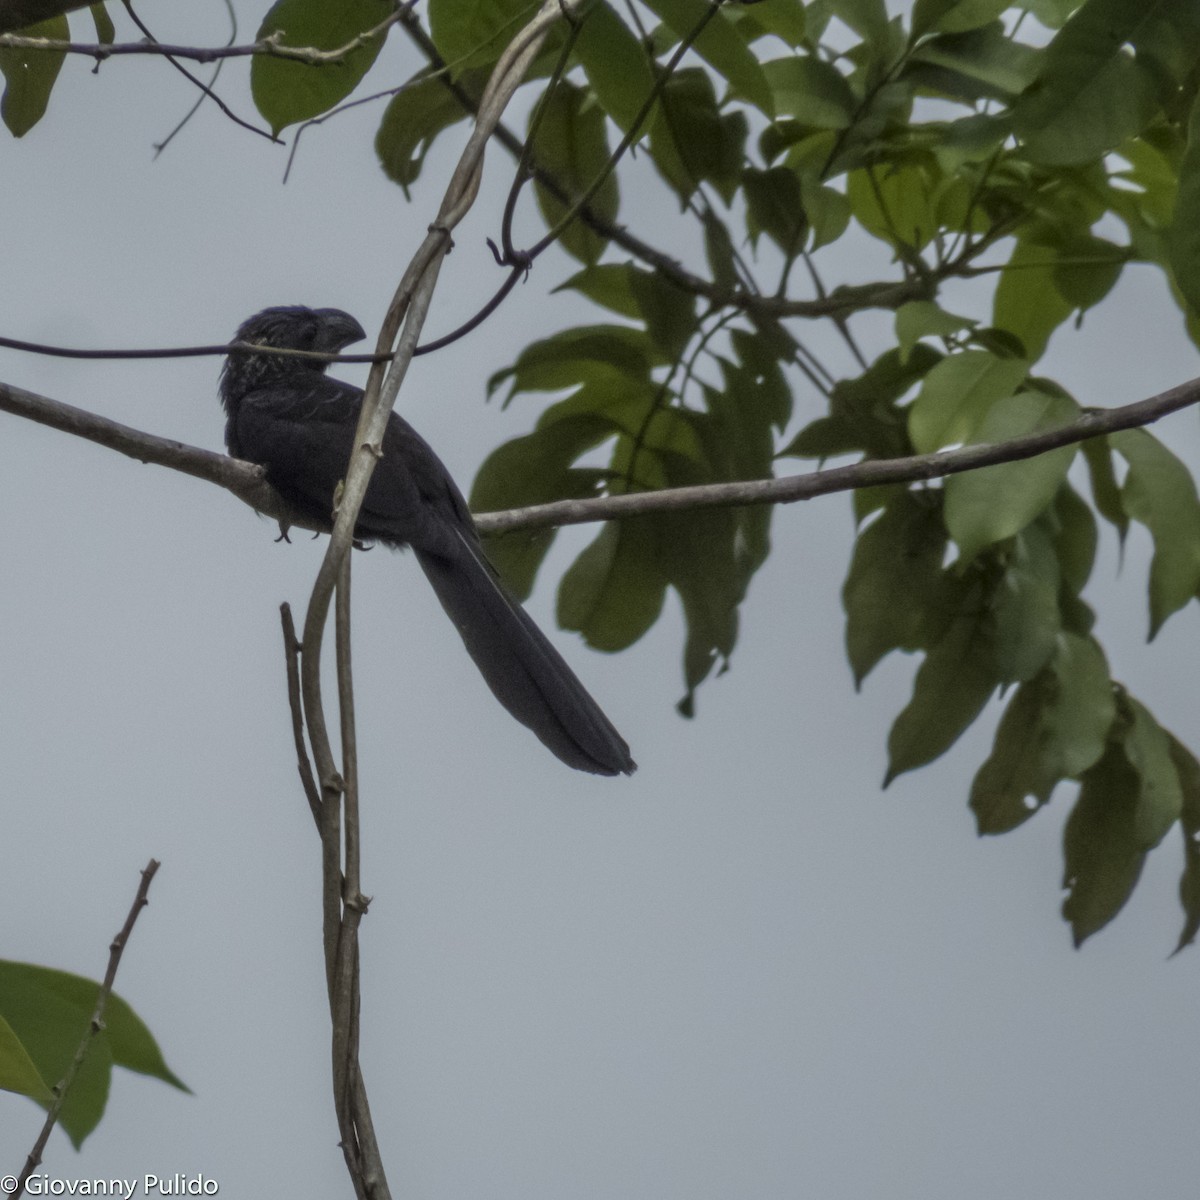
(414, 117)
(1034, 143)
(1058, 148)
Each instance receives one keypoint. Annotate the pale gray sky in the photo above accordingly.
(744, 974)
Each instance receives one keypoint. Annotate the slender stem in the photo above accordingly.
(95, 1025)
(291, 649)
(523, 171)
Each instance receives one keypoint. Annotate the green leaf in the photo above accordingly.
(1155, 174)
(710, 144)
(1023, 615)
(757, 399)
(983, 63)
(608, 284)
(29, 76)
(669, 313)
(1105, 490)
(1103, 856)
(412, 120)
(896, 205)
(1189, 883)
(957, 394)
(993, 503)
(923, 318)
(572, 144)
(634, 407)
(1054, 728)
(472, 33)
(827, 210)
(1075, 538)
(954, 16)
(1092, 92)
(702, 556)
(720, 45)
(710, 555)
(49, 1011)
(105, 33)
(613, 592)
(1052, 13)
(951, 687)
(615, 63)
(536, 469)
(1183, 237)
(17, 1070)
(812, 91)
(1027, 302)
(630, 290)
(774, 207)
(286, 91)
(783, 18)
(718, 250)
(1160, 797)
(896, 588)
(581, 355)
(1159, 492)
(1087, 269)
(972, 139)
(863, 412)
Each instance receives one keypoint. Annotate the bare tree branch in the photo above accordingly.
(243, 479)
(871, 473)
(246, 481)
(204, 88)
(95, 1025)
(271, 46)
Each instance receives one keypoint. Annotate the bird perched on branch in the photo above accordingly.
(290, 417)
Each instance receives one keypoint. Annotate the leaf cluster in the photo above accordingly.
(1039, 147)
(44, 1014)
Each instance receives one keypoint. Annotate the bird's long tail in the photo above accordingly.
(525, 672)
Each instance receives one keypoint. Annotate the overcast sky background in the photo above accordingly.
(746, 972)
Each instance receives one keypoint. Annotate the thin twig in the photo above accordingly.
(95, 1025)
(515, 273)
(511, 256)
(271, 46)
(198, 82)
(159, 147)
(291, 650)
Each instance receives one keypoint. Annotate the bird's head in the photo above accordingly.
(287, 327)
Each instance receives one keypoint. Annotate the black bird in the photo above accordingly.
(288, 416)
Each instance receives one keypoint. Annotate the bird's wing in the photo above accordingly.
(304, 437)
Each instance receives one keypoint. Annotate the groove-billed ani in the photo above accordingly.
(290, 417)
